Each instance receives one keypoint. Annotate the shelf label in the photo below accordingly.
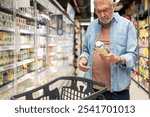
(6, 29)
(6, 48)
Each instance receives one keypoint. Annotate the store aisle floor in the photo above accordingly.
(136, 92)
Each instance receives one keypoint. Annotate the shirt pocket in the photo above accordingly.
(120, 44)
(121, 40)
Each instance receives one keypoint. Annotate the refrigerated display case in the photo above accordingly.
(31, 50)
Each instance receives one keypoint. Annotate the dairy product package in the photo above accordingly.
(101, 48)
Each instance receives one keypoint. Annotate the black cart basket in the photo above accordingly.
(75, 88)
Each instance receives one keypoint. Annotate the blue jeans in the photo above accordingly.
(121, 95)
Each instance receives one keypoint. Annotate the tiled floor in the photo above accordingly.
(136, 92)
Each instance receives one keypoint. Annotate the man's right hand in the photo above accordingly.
(83, 65)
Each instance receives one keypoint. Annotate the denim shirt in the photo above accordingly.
(123, 42)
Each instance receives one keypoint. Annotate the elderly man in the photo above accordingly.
(119, 36)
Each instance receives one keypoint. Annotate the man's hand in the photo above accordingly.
(82, 65)
(110, 57)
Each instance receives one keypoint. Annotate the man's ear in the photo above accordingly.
(114, 5)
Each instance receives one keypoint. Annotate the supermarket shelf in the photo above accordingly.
(3, 48)
(41, 23)
(8, 10)
(144, 47)
(144, 66)
(143, 56)
(6, 67)
(26, 31)
(11, 84)
(143, 75)
(26, 46)
(43, 34)
(25, 26)
(25, 62)
(8, 29)
(27, 76)
(25, 15)
(19, 75)
(6, 87)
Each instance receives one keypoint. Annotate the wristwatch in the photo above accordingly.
(119, 60)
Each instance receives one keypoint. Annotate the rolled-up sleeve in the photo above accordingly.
(131, 48)
(85, 51)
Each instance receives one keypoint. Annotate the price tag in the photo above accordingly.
(1, 69)
(5, 47)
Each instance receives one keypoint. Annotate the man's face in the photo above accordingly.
(104, 10)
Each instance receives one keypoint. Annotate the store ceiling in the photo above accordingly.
(82, 8)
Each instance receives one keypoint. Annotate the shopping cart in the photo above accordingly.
(76, 88)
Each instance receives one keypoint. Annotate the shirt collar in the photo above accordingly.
(116, 17)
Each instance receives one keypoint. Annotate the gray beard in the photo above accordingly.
(108, 21)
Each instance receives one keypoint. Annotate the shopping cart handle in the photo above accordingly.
(74, 91)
